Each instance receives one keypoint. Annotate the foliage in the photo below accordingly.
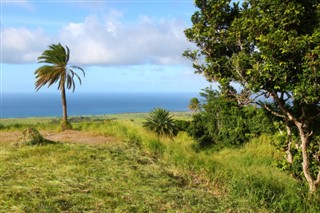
(161, 123)
(271, 49)
(295, 167)
(56, 70)
(182, 125)
(194, 105)
(223, 122)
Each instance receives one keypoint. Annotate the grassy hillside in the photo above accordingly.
(132, 171)
(76, 178)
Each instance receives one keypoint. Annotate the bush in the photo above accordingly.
(182, 125)
(161, 123)
(223, 122)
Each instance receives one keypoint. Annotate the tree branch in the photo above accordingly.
(285, 112)
(264, 105)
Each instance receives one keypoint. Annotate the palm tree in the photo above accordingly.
(160, 122)
(57, 70)
(194, 105)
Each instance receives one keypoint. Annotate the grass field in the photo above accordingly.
(138, 117)
(77, 178)
(111, 164)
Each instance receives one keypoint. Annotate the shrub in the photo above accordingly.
(224, 122)
(182, 125)
(161, 123)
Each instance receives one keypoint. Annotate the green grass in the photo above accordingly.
(252, 180)
(30, 120)
(143, 174)
(245, 178)
(134, 117)
(77, 178)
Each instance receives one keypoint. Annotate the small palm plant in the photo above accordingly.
(194, 105)
(161, 123)
(57, 70)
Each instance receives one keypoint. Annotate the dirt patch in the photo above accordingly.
(69, 136)
(73, 136)
(9, 136)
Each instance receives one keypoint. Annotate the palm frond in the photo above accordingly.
(56, 70)
(67, 55)
(79, 68)
(75, 74)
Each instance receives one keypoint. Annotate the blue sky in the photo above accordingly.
(124, 46)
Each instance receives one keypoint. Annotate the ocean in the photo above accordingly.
(20, 105)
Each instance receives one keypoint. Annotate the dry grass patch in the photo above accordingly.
(7, 137)
(81, 137)
(69, 136)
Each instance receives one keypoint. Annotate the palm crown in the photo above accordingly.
(58, 71)
(194, 105)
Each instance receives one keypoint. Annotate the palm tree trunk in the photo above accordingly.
(64, 124)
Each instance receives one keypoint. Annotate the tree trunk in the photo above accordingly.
(64, 124)
(305, 139)
(305, 133)
(289, 143)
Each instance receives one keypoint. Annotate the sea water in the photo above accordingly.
(14, 105)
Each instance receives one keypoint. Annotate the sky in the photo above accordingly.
(123, 45)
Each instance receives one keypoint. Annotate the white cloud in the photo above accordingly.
(106, 41)
(113, 43)
(20, 45)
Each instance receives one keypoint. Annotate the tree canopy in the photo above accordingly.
(268, 48)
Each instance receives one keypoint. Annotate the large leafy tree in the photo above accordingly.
(267, 48)
(57, 70)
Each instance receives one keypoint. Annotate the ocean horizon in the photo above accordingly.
(22, 105)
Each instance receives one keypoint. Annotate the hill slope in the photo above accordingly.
(117, 166)
(113, 176)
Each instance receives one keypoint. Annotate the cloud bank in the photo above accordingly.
(21, 45)
(105, 42)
